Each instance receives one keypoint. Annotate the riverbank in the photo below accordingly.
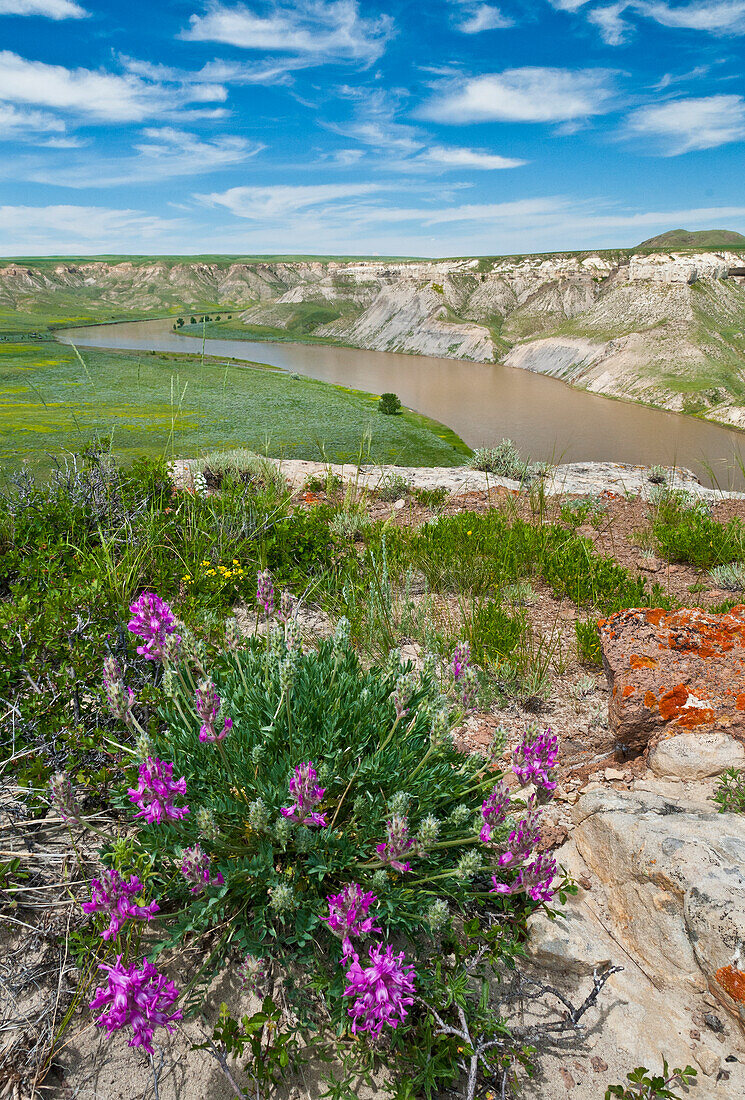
(482, 403)
(55, 399)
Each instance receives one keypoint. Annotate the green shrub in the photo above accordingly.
(730, 793)
(433, 498)
(494, 634)
(731, 577)
(684, 531)
(588, 643)
(393, 487)
(504, 460)
(389, 404)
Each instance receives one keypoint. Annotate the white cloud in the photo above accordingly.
(613, 28)
(45, 230)
(20, 123)
(522, 95)
(719, 17)
(446, 156)
(483, 17)
(323, 29)
(162, 153)
(683, 125)
(267, 203)
(52, 9)
(715, 16)
(95, 94)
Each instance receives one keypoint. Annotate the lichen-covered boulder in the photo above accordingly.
(674, 671)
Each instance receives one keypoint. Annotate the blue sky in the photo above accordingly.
(451, 127)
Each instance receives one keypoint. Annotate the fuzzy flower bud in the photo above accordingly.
(118, 697)
(468, 865)
(402, 692)
(429, 830)
(258, 816)
(282, 897)
(282, 830)
(62, 798)
(398, 803)
(195, 867)
(233, 636)
(341, 635)
(206, 824)
(440, 727)
(265, 592)
(438, 914)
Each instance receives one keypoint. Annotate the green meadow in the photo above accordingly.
(55, 400)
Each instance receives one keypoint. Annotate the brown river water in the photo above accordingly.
(482, 402)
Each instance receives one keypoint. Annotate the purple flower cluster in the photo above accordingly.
(154, 622)
(119, 697)
(195, 867)
(113, 895)
(349, 914)
(156, 790)
(397, 843)
(140, 997)
(307, 794)
(382, 991)
(535, 759)
(520, 841)
(464, 676)
(265, 592)
(494, 810)
(208, 704)
(534, 878)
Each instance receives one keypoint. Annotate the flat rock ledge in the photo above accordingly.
(675, 672)
(666, 901)
(573, 478)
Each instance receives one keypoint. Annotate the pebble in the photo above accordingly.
(614, 773)
(708, 1060)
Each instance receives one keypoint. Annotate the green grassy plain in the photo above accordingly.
(52, 401)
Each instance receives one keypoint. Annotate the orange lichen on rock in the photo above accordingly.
(674, 670)
(643, 662)
(732, 981)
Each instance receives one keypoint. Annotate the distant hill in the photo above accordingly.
(702, 238)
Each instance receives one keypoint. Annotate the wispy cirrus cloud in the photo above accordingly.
(96, 95)
(51, 9)
(319, 29)
(616, 21)
(76, 229)
(160, 153)
(21, 123)
(528, 94)
(474, 18)
(684, 125)
(269, 203)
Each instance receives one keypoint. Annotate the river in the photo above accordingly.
(482, 402)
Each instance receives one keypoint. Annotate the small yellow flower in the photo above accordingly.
(236, 562)
(469, 532)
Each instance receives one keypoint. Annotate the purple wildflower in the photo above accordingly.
(494, 810)
(152, 620)
(208, 704)
(139, 997)
(195, 867)
(348, 914)
(265, 592)
(535, 759)
(534, 878)
(520, 842)
(286, 606)
(62, 798)
(382, 991)
(307, 794)
(156, 790)
(461, 660)
(397, 844)
(119, 697)
(113, 894)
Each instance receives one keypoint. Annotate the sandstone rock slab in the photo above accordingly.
(696, 755)
(674, 671)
